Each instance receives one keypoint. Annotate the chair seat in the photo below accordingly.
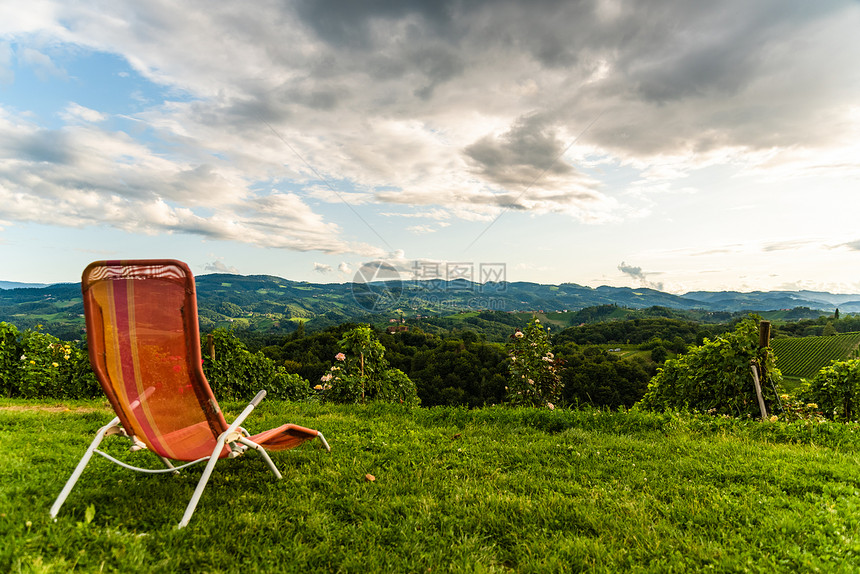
(284, 437)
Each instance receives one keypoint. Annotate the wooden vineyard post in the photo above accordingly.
(762, 408)
(362, 378)
(759, 371)
(210, 342)
(763, 342)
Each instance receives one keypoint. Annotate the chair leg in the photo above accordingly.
(201, 484)
(324, 441)
(81, 466)
(168, 464)
(264, 454)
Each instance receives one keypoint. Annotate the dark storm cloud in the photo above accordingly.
(393, 38)
(686, 49)
(519, 157)
(673, 75)
(40, 146)
(257, 107)
(350, 24)
(669, 77)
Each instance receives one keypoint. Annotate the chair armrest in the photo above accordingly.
(258, 398)
(244, 414)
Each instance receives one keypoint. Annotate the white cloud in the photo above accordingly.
(81, 176)
(74, 112)
(641, 277)
(421, 229)
(429, 214)
(322, 268)
(41, 64)
(461, 111)
(218, 266)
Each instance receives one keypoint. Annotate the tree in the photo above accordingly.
(594, 377)
(659, 354)
(456, 372)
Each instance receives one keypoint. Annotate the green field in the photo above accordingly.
(803, 357)
(454, 490)
(625, 351)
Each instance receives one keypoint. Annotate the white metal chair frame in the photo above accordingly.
(233, 435)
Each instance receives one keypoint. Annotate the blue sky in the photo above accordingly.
(676, 145)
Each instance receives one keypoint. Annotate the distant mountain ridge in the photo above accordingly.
(17, 285)
(530, 296)
(265, 302)
(772, 300)
(522, 295)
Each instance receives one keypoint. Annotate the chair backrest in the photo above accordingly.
(144, 347)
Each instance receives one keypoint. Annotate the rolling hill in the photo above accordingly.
(269, 303)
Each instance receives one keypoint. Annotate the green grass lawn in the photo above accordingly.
(455, 490)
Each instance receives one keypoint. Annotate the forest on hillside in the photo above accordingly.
(605, 364)
(606, 358)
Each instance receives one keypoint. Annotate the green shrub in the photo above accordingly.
(237, 374)
(835, 390)
(714, 377)
(10, 359)
(36, 365)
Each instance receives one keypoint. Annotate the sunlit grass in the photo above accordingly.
(454, 490)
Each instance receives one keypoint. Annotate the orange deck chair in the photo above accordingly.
(144, 347)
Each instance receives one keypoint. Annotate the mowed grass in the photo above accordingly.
(455, 491)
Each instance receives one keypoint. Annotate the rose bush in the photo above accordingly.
(37, 365)
(361, 373)
(835, 389)
(534, 377)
